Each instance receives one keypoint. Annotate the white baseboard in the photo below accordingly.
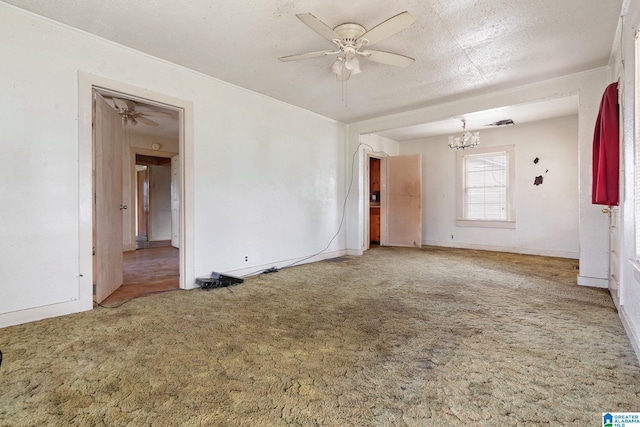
(511, 249)
(632, 331)
(44, 312)
(594, 282)
(257, 269)
(70, 307)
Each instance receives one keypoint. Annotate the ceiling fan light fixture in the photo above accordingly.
(337, 66)
(352, 64)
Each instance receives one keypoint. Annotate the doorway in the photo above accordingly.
(154, 191)
(133, 129)
(142, 204)
(392, 200)
(374, 201)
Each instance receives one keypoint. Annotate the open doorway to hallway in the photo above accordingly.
(156, 214)
(136, 224)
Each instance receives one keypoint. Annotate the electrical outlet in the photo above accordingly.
(246, 258)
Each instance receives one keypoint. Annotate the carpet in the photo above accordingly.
(396, 337)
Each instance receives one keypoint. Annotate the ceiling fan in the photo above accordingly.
(352, 39)
(127, 110)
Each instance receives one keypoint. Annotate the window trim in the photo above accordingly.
(510, 222)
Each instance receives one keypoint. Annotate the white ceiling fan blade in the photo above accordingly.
(318, 26)
(130, 104)
(389, 27)
(388, 58)
(308, 55)
(120, 103)
(156, 114)
(131, 120)
(146, 121)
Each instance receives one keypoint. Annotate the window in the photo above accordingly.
(486, 189)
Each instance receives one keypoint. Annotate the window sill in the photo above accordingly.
(485, 223)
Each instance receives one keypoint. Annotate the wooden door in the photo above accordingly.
(109, 137)
(401, 209)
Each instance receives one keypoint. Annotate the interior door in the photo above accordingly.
(109, 137)
(175, 201)
(401, 207)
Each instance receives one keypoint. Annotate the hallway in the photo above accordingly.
(147, 271)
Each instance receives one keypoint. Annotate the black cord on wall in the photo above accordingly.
(344, 211)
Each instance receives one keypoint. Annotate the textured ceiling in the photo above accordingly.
(461, 47)
(518, 114)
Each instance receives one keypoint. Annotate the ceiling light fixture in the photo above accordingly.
(346, 66)
(467, 140)
(351, 40)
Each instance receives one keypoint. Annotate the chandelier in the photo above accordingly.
(466, 140)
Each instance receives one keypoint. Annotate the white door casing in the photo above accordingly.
(87, 82)
(614, 245)
(175, 201)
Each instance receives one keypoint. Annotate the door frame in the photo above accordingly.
(368, 155)
(134, 151)
(384, 201)
(87, 82)
(614, 250)
(138, 200)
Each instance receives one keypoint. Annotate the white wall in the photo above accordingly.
(625, 73)
(546, 215)
(379, 145)
(268, 178)
(593, 225)
(138, 140)
(159, 202)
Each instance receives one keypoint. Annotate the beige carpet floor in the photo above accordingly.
(397, 337)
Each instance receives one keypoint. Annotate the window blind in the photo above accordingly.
(486, 181)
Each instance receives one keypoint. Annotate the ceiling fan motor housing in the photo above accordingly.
(350, 33)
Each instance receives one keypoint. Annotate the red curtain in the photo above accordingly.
(606, 141)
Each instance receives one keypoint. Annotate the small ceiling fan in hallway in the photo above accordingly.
(351, 40)
(127, 110)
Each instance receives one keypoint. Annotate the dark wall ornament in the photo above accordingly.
(538, 180)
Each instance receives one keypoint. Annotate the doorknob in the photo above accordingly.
(123, 207)
(604, 211)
